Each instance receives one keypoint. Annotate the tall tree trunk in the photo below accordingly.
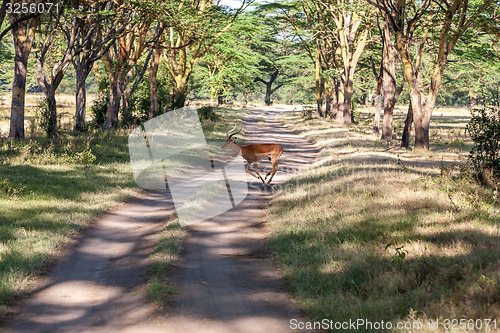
(346, 110)
(153, 86)
(82, 71)
(22, 35)
(405, 140)
(18, 97)
(328, 100)
(378, 98)
(389, 81)
(111, 120)
(378, 107)
(52, 126)
(335, 99)
(319, 85)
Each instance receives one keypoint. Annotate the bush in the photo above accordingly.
(308, 111)
(98, 109)
(484, 128)
(42, 117)
(207, 113)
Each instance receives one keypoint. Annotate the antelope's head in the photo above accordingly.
(230, 139)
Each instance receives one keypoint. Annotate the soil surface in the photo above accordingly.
(225, 281)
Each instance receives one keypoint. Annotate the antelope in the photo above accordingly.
(253, 153)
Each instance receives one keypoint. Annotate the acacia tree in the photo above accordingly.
(57, 35)
(4, 6)
(23, 34)
(233, 60)
(98, 30)
(453, 19)
(195, 27)
(340, 32)
(349, 22)
(118, 61)
(310, 23)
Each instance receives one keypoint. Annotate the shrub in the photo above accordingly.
(207, 113)
(98, 109)
(484, 128)
(9, 188)
(42, 118)
(308, 111)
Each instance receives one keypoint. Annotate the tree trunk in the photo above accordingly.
(267, 99)
(111, 120)
(269, 89)
(319, 85)
(52, 128)
(18, 98)
(178, 98)
(153, 86)
(22, 35)
(346, 110)
(378, 107)
(389, 81)
(405, 140)
(328, 100)
(82, 71)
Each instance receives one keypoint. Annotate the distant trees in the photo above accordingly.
(231, 52)
(194, 29)
(405, 18)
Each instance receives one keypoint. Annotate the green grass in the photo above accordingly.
(54, 194)
(387, 235)
(166, 253)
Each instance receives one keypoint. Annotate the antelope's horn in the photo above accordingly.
(230, 136)
(227, 134)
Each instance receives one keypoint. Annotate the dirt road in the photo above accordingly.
(225, 280)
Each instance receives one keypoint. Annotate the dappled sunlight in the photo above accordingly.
(394, 234)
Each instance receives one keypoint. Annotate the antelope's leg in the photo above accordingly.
(256, 167)
(275, 168)
(250, 172)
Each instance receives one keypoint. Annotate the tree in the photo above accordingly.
(195, 27)
(23, 34)
(340, 32)
(6, 5)
(57, 35)
(453, 19)
(97, 33)
(269, 84)
(121, 57)
(233, 60)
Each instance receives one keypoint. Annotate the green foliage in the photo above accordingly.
(98, 110)
(140, 101)
(6, 61)
(43, 119)
(484, 128)
(354, 113)
(207, 113)
(9, 188)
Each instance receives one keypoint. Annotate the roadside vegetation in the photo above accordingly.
(378, 232)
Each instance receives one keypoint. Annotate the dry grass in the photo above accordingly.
(377, 232)
(65, 108)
